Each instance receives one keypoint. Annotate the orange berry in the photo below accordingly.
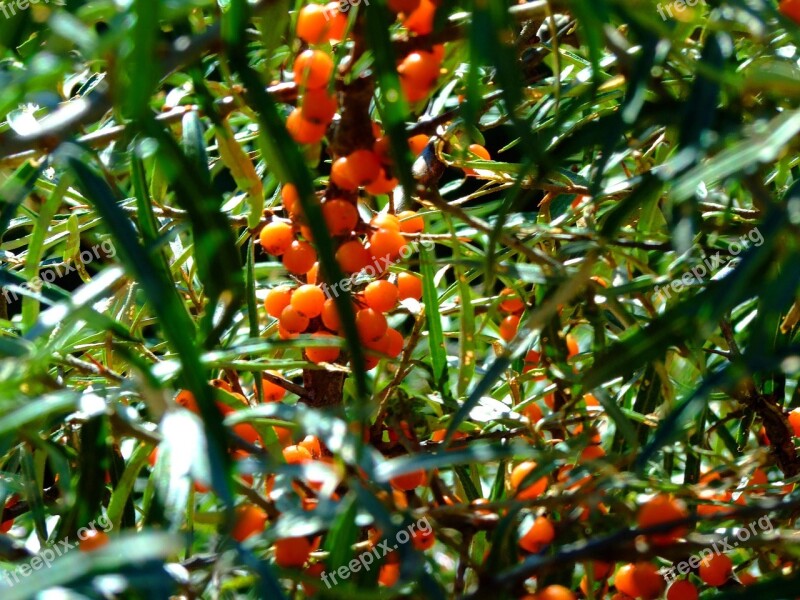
(186, 399)
(555, 592)
(276, 237)
(371, 324)
(341, 176)
(285, 334)
(308, 300)
(403, 6)
(513, 304)
(790, 9)
(715, 570)
(277, 299)
(290, 197)
(381, 185)
(362, 167)
(299, 258)
(295, 455)
(221, 384)
(533, 490)
(94, 539)
(417, 143)
(330, 315)
(640, 580)
(341, 216)
(311, 444)
(409, 481)
(539, 535)
(385, 221)
(572, 346)
(312, 24)
(411, 222)
(318, 106)
(381, 295)
(533, 412)
(420, 21)
(292, 321)
(313, 68)
(794, 421)
(423, 540)
(248, 521)
(320, 354)
(302, 130)
(389, 574)
(338, 22)
(409, 286)
(601, 569)
(386, 243)
(313, 274)
(419, 69)
(591, 400)
(395, 344)
(508, 327)
(412, 92)
(292, 553)
(481, 152)
(659, 510)
(352, 257)
(682, 590)
(271, 392)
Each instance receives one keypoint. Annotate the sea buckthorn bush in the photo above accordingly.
(399, 299)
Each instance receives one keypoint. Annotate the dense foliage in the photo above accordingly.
(399, 298)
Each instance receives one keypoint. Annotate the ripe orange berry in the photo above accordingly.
(417, 143)
(362, 167)
(312, 24)
(409, 286)
(294, 455)
(341, 176)
(292, 321)
(794, 421)
(371, 324)
(512, 304)
(533, 412)
(409, 481)
(385, 221)
(94, 539)
(320, 354)
(481, 152)
(352, 256)
(249, 521)
(271, 392)
(311, 444)
(341, 216)
(790, 9)
(539, 535)
(389, 574)
(423, 540)
(663, 509)
(715, 570)
(338, 22)
(221, 384)
(386, 243)
(381, 295)
(395, 344)
(313, 68)
(292, 553)
(290, 197)
(403, 6)
(411, 222)
(533, 490)
(330, 315)
(186, 399)
(308, 300)
(302, 130)
(277, 299)
(276, 237)
(381, 185)
(420, 69)
(555, 592)
(508, 327)
(682, 590)
(640, 580)
(318, 106)
(420, 21)
(299, 258)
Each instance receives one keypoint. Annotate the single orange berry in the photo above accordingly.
(302, 130)
(409, 481)
(794, 421)
(480, 152)
(276, 237)
(312, 24)
(94, 540)
(271, 392)
(313, 69)
(277, 299)
(715, 570)
(381, 295)
(381, 185)
(330, 315)
(395, 344)
(341, 175)
(640, 580)
(420, 21)
(292, 321)
(371, 324)
(299, 258)
(411, 222)
(555, 592)
(311, 444)
(534, 489)
(409, 286)
(221, 384)
(387, 243)
(318, 106)
(313, 274)
(292, 553)
(295, 455)
(362, 167)
(385, 221)
(682, 590)
(186, 399)
(513, 303)
(540, 533)
(308, 300)
(508, 327)
(341, 216)
(417, 143)
(338, 22)
(320, 354)
(663, 509)
(423, 540)
(249, 520)
(389, 574)
(419, 69)
(352, 257)
(572, 346)
(790, 9)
